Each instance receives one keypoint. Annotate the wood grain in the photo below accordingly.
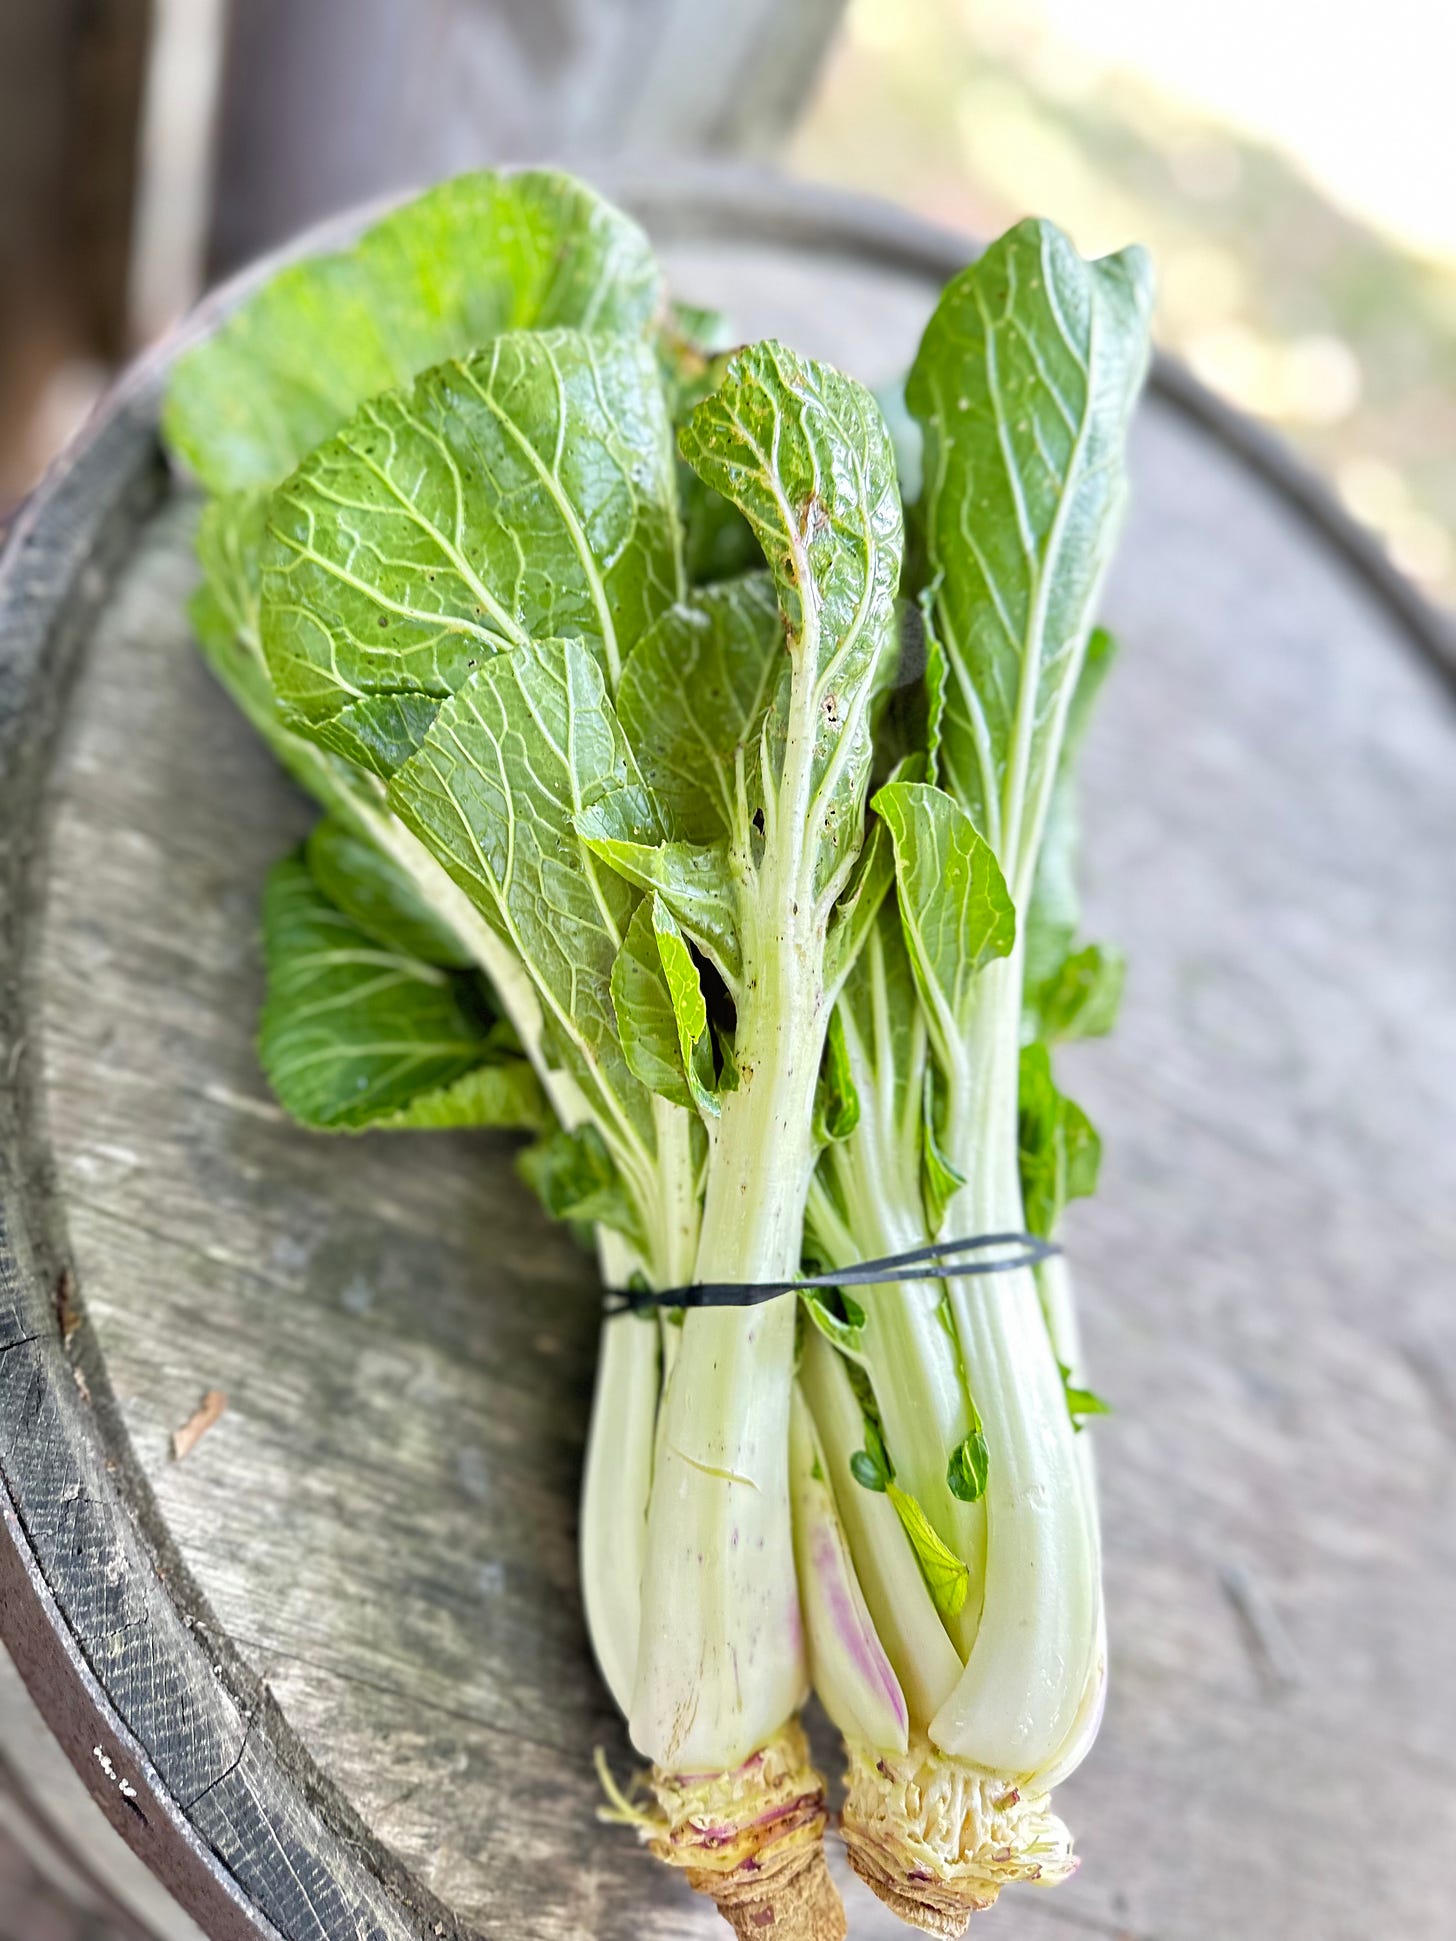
(375, 1544)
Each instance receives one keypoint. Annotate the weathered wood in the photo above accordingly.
(374, 1545)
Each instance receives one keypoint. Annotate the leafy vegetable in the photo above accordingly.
(665, 825)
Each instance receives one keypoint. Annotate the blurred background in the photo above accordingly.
(1292, 173)
(1290, 168)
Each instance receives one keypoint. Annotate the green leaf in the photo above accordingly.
(717, 540)
(842, 1331)
(940, 1181)
(693, 699)
(461, 264)
(868, 1471)
(1023, 386)
(1081, 997)
(355, 1033)
(230, 535)
(954, 903)
(1054, 910)
(646, 1020)
(969, 1465)
(1060, 1152)
(495, 792)
(693, 880)
(689, 1008)
(1081, 1402)
(947, 1578)
(836, 1102)
(573, 1176)
(524, 492)
(376, 735)
(362, 883)
(803, 452)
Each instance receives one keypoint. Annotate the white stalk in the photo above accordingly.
(721, 1663)
(1035, 1652)
(852, 1674)
(925, 1661)
(615, 1495)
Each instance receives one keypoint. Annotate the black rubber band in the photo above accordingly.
(940, 1260)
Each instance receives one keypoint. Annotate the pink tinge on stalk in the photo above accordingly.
(849, 1666)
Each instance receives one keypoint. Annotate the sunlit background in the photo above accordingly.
(1293, 169)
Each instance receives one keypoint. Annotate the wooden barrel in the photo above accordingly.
(327, 1674)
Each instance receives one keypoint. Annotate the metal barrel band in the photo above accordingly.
(939, 1260)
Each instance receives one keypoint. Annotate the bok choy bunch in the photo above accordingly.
(584, 639)
(937, 1445)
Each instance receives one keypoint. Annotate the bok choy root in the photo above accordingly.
(588, 638)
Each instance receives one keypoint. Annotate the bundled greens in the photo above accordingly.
(591, 641)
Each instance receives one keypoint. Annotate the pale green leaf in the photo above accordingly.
(473, 258)
(947, 1577)
(689, 1008)
(693, 699)
(524, 492)
(694, 880)
(646, 1021)
(803, 452)
(953, 900)
(1023, 386)
(495, 792)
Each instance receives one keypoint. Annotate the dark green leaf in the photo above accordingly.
(355, 1033)
(361, 882)
(573, 1176)
(966, 1472)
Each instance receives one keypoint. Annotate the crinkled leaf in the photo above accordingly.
(804, 453)
(523, 492)
(694, 880)
(1023, 386)
(377, 734)
(954, 903)
(477, 256)
(361, 881)
(511, 762)
(693, 700)
(1060, 1152)
(239, 667)
(355, 1033)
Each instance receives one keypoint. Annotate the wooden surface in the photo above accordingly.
(374, 1546)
